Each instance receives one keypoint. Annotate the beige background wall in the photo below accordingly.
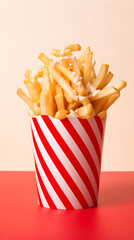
(29, 27)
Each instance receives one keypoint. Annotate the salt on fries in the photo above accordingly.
(69, 86)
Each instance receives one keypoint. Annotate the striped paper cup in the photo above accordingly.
(67, 160)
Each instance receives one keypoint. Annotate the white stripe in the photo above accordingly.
(65, 161)
(48, 185)
(76, 151)
(43, 199)
(56, 174)
(87, 141)
(96, 131)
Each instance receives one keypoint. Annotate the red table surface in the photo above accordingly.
(22, 218)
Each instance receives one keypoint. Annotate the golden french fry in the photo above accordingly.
(73, 106)
(65, 71)
(98, 104)
(72, 113)
(37, 109)
(61, 53)
(40, 72)
(63, 83)
(103, 93)
(37, 85)
(58, 89)
(33, 92)
(45, 104)
(85, 111)
(93, 74)
(25, 98)
(87, 69)
(61, 114)
(59, 101)
(68, 99)
(76, 67)
(102, 115)
(84, 100)
(100, 77)
(73, 47)
(28, 74)
(79, 88)
(83, 55)
(47, 85)
(120, 85)
(31, 112)
(110, 100)
(44, 58)
(104, 103)
(106, 80)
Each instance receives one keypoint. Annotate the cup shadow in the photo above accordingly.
(120, 194)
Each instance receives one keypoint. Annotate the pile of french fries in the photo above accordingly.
(68, 86)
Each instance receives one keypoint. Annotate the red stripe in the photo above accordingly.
(89, 131)
(70, 156)
(60, 167)
(51, 179)
(99, 124)
(71, 130)
(44, 190)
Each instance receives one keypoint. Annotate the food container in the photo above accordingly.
(67, 160)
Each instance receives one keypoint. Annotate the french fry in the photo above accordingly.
(83, 55)
(63, 83)
(103, 93)
(106, 80)
(70, 86)
(73, 106)
(68, 99)
(65, 71)
(104, 103)
(31, 113)
(110, 100)
(85, 111)
(40, 72)
(44, 58)
(84, 100)
(28, 74)
(93, 74)
(102, 115)
(61, 114)
(25, 98)
(37, 109)
(37, 85)
(60, 101)
(58, 89)
(45, 104)
(73, 47)
(47, 85)
(79, 88)
(101, 76)
(87, 69)
(98, 104)
(120, 85)
(33, 92)
(76, 67)
(61, 53)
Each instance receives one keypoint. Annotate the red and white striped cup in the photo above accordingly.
(67, 160)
